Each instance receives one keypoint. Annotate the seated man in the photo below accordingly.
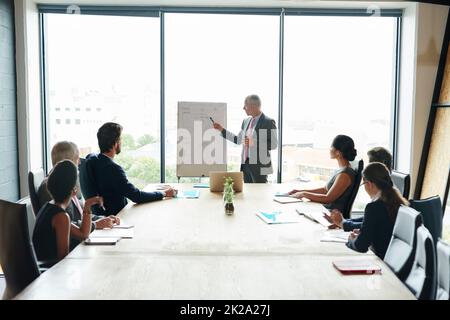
(108, 179)
(380, 154)
(65, 150)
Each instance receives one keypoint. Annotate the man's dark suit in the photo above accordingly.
(107, 179)
(258, 164)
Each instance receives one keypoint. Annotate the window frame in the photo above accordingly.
(159, 11)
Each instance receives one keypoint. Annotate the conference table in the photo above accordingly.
(190, 249)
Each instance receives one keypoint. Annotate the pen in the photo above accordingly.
(211, 119)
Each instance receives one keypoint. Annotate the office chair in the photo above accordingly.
(17, 256)
(443, 271)
(31, 217)
(35, 179)
(355, 187)
(402, 247)
(86, 184)
(422, 279)
(402, 181)
(431, 211)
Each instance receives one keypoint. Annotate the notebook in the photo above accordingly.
(335, 236)
(123, 226)
(276, 217)
(284, 200)
(113, 233)
(101, 241)
(188, 194)
(314, 211)
(356, 266)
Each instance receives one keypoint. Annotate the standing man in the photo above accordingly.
(258, 135)
(108, 179)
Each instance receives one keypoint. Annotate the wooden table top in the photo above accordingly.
(189, 249)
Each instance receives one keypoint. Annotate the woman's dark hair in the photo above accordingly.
(378, 174)
(346, 146)
(380, 154)
(108, 135)
(62, 180)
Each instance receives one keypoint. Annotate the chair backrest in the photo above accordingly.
(402, 247)
(31, 217)
(443, 271)
(402, 181)
(35, 179)
(17, 256)
(431, 211)
(422, 279)
(87, 185)
(355, 187)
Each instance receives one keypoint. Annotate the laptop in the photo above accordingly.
(217, 179)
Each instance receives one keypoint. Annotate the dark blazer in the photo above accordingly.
(376, 230)
(265, 140)
(108, 179)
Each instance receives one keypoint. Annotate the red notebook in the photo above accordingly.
(357, 266)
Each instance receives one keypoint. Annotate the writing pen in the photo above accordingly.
(211, 119)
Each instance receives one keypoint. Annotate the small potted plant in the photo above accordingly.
(228, 193)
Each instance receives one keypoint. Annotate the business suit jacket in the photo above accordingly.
(376, 230)
(264, 140)
(108, 179)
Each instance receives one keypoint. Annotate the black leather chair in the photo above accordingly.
(443, 271)
(431, 211)
(17, 256)
(35, 179)
(355, 187)
(422, 279)
(402, 181)
(31, 218)
(402, 248)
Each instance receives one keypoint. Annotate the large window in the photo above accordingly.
(220, 58)
(338, 77)
(100, 69)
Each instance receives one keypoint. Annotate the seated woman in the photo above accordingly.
(380, 214)
(53, 228)
(337, 192)
(377, 154)
(66, 150)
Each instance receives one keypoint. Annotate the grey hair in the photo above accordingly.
(64, 150)
(253, 98)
